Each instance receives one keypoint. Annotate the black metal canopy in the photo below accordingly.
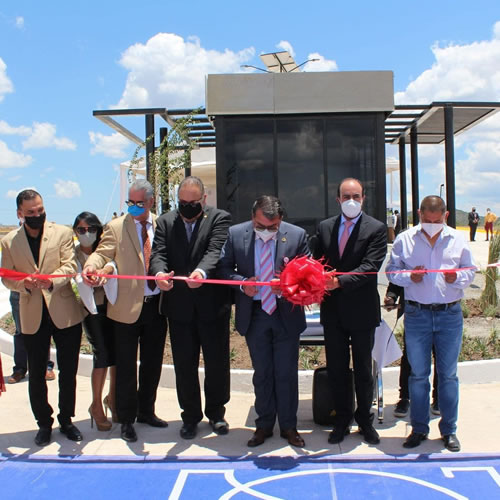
(429, 123)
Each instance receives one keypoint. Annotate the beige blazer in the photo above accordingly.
(57, 256)
(120, 242)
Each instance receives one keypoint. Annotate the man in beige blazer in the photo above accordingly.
(48, 308)
(136, 316)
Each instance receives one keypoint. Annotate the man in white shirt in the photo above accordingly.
(433, 315)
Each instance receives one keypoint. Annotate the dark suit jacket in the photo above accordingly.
(357, 303)
(237, 262)
(172, 252)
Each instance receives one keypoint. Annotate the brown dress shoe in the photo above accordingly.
(50, 375)
(15, 378)
(259, 436)
(293, 437)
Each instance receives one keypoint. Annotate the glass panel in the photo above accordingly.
(300, 168)
(351, 153)
(248, 160)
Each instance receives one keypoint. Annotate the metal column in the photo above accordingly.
(150, 141)
(403, 201)
(414, 174)
(450, 165)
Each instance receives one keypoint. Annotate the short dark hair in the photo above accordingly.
(270, 205)
(26, 195)
(193, 180)
(433, 203)
(93, 221)
(350, 179)
(396, 212)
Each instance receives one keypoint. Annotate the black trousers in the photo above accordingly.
(213, 339)
(148, 332)
(67, 342)
(337, 341)
(473, 229)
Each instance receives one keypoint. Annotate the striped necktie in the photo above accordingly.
(146, 248)
(267, 274)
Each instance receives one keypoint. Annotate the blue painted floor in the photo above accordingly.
(382, 477)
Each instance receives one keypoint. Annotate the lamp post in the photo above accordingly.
(441, 189)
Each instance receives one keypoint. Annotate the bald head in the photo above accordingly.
(433, 204)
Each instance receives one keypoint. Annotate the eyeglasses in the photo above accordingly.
(83, 230)
(139, 204)
(190, 203)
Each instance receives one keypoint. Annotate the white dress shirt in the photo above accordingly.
(450, 251)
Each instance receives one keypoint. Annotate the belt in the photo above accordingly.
(150, 298)
(432, 307)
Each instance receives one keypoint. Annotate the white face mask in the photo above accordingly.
(432, 229)
(351, 208)
(87, 239)
(264, 235)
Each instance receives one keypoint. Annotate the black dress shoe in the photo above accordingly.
(293, 437)
(451, 442)
(414, 439)
(220, 427)
(337, 434)
(188, 431)
(71, 432)
(152, 420)
(369, 434)
(42, 437)
(259, 436)
(128, 433)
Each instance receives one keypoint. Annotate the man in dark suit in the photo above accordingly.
(188, 242)
(257, 250)
(473, 218)
(356, 242)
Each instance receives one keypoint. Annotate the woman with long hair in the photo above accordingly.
(98, 327)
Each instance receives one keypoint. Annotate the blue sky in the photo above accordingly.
(60, 60)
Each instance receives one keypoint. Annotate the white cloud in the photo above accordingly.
(43, 135)
(284, 45)
(112, 146)
(11, 159)
(7, 129)
(321, 65)
(6, 85)
(67, 189)
(46, 171)
(14, 178)
(169, 71)
(463, 72)
(12, 193)
(20, 22)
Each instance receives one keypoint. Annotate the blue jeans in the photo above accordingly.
(423, 328)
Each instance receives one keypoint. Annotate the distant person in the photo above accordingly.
(433, 314)
(473, 223)
(115, 215)
(391, 224)
(397, 226)
(48, 309)
(489, 220)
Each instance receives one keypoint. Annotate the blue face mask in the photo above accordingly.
(135, 211)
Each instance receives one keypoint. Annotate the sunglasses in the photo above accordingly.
(139, 204)
(83, 230)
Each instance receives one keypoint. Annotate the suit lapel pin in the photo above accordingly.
(283, 239)
(205, 216)
(286, 260)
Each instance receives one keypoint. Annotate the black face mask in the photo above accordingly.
(36, 222)
(190, 210)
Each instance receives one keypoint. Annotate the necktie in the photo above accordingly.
(344, 237)
(189, 230)
(146, 249)
(268, 298)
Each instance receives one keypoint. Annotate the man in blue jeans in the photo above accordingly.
(433, 315)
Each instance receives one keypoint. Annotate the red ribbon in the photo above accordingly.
(302, 280)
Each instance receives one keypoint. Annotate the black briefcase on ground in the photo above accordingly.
(322, 398)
